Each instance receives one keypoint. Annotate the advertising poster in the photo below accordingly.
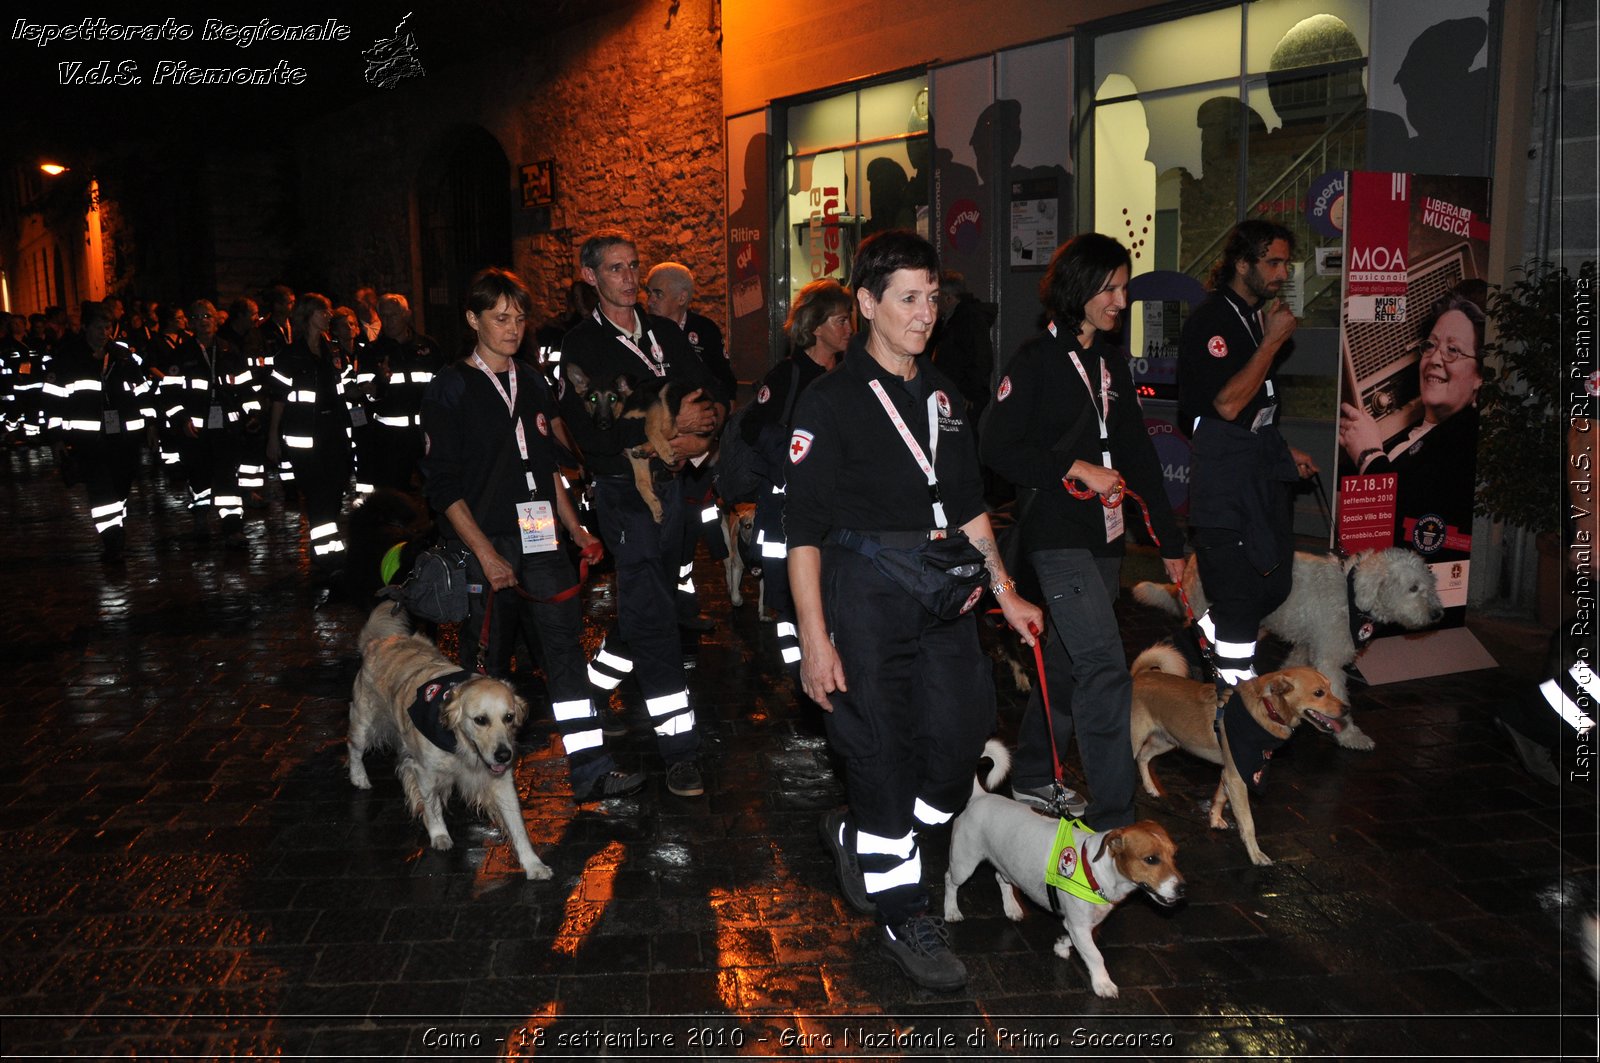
(1411, 347)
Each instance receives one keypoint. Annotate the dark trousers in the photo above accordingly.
(558, 629)
(211, 462)
(646, 556)
(912, 725)
(108, 464)
(1091, 692)
(1238, 593)
(323, 475)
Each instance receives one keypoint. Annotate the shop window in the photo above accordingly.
(857, 163)
(1201, 121)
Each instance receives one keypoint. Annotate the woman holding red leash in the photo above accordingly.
(491, 476)
(1066, 428)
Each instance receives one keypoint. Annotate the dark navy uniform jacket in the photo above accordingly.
(1240, 477)
(469, 430)
(1042, 419)
(595, 346)
(849, 467)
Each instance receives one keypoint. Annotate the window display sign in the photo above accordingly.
(1034, 225)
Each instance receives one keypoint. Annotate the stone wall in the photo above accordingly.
(629, 107)
(631, 111)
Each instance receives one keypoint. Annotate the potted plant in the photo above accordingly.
(1519, 447)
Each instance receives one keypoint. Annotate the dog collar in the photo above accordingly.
(1362, 623)
(1272, 712)
(1068, 868)
(425, 709)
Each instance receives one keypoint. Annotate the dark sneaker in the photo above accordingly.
(683, 778)
(851, 883)
(1064, 803)
(920, 946)
(615, 784)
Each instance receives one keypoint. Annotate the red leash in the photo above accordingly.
(1082, 491)
(590, 554)
(1044, 696)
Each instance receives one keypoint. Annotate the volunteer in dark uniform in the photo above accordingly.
(211, 397)
(100, 402)
(819, 329)
(882, 458)
(159, 351)
(669, 287)
(492, 479)
(313, 395)
(267, 342)
(349, 340)
(1065, 418)
(619, 340)
(1240, 515)
(404, 361)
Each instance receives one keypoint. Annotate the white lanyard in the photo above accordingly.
(653, 360)
(1252, 325)
(1102, 410)
(511, 404)
(925, 460)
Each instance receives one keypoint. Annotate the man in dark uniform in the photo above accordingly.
(404, 361)
(619, 340)
(669, 287)
(1240, 515)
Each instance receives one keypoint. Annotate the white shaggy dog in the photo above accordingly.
(452, 729)
(1393, 586)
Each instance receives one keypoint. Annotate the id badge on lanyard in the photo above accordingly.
(536, 522)
(1267, 414)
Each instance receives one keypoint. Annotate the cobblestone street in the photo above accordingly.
(188, 871)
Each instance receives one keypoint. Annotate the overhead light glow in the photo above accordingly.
(54, 169)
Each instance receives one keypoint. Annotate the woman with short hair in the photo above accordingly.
(882, 459)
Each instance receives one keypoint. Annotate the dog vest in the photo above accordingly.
(1068, 868)
(425, 709)
(1362, 625)
(1249, 742)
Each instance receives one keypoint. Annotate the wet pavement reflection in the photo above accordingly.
(188, 871)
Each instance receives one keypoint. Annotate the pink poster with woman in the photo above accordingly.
(1412, 338)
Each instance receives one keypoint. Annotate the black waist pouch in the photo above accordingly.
(946, 576)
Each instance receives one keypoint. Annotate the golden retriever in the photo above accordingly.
(451, 729)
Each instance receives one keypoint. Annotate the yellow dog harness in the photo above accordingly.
(1068, 868)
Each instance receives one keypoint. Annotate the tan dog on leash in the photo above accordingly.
(476, 715)
(1172, 711)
